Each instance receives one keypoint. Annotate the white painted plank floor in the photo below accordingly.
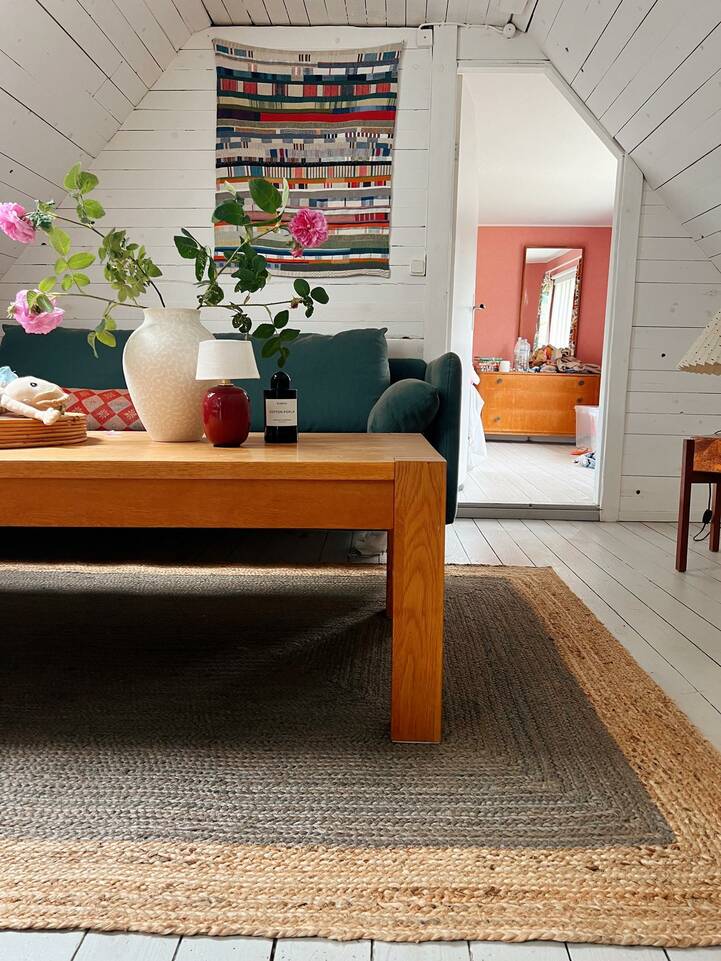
(671, 624)
(516, 472)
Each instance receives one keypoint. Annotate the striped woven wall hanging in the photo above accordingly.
(325, 122)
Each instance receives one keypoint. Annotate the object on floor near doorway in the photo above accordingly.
(587, 459)
(369, 543)
(700, 464)
(569, 799)
(586, 427)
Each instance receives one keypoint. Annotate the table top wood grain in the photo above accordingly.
(131, 454)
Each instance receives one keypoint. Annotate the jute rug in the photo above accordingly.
(207, 752)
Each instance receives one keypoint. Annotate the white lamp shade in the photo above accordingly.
(226, 360)
(704, 355)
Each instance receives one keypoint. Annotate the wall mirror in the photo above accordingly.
(550, 296)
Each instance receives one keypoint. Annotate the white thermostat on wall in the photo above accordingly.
(418, 267)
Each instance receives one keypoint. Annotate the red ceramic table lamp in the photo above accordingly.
(226, 408)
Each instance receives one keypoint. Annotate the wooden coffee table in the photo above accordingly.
(393, 482)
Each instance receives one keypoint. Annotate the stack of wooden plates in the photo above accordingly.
(26, 432)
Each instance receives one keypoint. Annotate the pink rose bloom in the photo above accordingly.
(31, 322)
(13, 224)
(309, 228)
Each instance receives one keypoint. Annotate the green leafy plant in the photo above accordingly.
(129, 271)
(249, 269)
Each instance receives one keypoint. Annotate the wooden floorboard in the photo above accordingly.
(694, 954)
(318, 949)
(224, 949)
(126, 947)
(39, 945)
(598, 952)
(477, 548)
(528, 473)
(455, 552)
(624, 573)
(529, 951)
(428, 951)
(503, 545)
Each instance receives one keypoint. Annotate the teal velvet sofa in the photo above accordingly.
(346, 383)
(444, 432)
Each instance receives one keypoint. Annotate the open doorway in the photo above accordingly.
(546, 186)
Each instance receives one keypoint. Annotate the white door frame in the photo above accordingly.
(621, 286)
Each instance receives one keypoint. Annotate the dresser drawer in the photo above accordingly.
(535, 404)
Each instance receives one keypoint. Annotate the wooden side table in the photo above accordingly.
(700, 464)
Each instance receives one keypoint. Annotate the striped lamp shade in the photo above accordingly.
(704, 355)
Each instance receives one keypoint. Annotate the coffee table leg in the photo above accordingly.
(389, 576)
(417, 598)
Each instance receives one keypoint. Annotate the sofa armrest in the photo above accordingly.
(445, 374)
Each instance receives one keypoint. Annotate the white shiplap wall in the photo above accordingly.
(677, 292)
(157, 175)
(70, 73)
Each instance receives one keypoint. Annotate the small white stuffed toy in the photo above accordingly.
(33, 397)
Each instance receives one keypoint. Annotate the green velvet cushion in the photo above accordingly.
(339, 378)
(407, 407)
(403, 367)
(63, 357)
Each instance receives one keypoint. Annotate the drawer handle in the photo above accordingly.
(496, 419)
(581, 383)
(499, 380)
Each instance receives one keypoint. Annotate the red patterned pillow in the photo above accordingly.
(105, 409)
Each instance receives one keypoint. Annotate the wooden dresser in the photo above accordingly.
(536, 405)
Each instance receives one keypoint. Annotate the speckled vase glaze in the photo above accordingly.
(159, 362)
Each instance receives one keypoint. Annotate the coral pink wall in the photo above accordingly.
(499, 277)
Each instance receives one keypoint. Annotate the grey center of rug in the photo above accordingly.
(254, 710)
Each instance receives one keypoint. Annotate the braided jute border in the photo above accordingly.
(652, 895)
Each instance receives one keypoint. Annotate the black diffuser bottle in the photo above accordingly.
(281, 410)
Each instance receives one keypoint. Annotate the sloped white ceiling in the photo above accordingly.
(360, 13)
(71, 71)
(650, 71)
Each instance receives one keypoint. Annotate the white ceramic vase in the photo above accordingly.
(159, 362)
